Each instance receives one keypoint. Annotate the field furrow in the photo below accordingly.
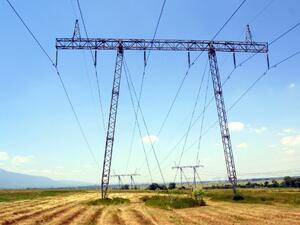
(112, 216)
(47, 217)
(96, 218)
(138, 217)
(90, 217)
(12, 206)
(71, 218)
(198, 218)
(29, 216)
(75, 209)
(237, 215)
(164, 217)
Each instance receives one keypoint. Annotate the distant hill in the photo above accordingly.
(11, 180)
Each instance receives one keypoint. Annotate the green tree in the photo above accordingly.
(266, 184)
(125, 187)
(153, 186)
(172, 186)
(275, 183)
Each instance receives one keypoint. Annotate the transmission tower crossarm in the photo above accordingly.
(125, 175)
(110, 135)
(160, 45)
(184, 167)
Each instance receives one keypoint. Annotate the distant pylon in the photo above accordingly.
(131, 176)
(195, 173)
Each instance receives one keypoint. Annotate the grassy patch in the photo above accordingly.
(7, 196)
(259, 196)
(166, 202)
(176, 192)
(109, 201)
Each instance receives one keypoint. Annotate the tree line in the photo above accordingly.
(287, 182)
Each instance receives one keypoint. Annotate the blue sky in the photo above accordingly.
(38, 132)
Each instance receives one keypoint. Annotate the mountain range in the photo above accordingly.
(12, 180)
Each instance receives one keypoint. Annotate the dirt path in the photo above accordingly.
(72, 209)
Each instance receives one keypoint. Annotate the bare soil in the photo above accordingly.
(72, 209)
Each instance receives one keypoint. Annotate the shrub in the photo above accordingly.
(155, 186)
(109, 201)
(291, 182)
(238, 197)
(198, 195)
(172, 186)
(167, 202)
(125, 187)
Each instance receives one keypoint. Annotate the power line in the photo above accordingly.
(222, 27)
(73, 7)
(147, 130)
(143, 78)
(95, 66)
(192, 116)
(158, 22)
(262, 11)
(225, 81)
(31, 33)
(97, 115)
(260, 77)
(193, 63)
(270, 43)
(285, 33)
(60, 79)
(202, 120)
(126, 69)
(227, 21)
(188, 70)
(248, 90)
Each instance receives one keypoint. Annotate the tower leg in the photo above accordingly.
(132, 183)
(230, 166)
(111, 123)
(194, 170)
(119, 182)
(181, 177)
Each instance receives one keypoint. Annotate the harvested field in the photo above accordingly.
(74, 209)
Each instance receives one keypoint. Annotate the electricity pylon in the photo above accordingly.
(121, 45)
(131, 176)
(195, 173)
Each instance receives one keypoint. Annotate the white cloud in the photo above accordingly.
(242, 145)
(236, 126)
(260, 130)
(288, 130)
(4, 156)
(292, 85)
(285, 131)
(59, 167)
(21, 159)
(151, 138)
(271, 146)
(46, 171)
(291, 140)
(290, 151)
(88, 166)
(280, 134)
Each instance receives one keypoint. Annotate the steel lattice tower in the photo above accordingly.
(78, 43)
(225, 134)
(112, 122)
